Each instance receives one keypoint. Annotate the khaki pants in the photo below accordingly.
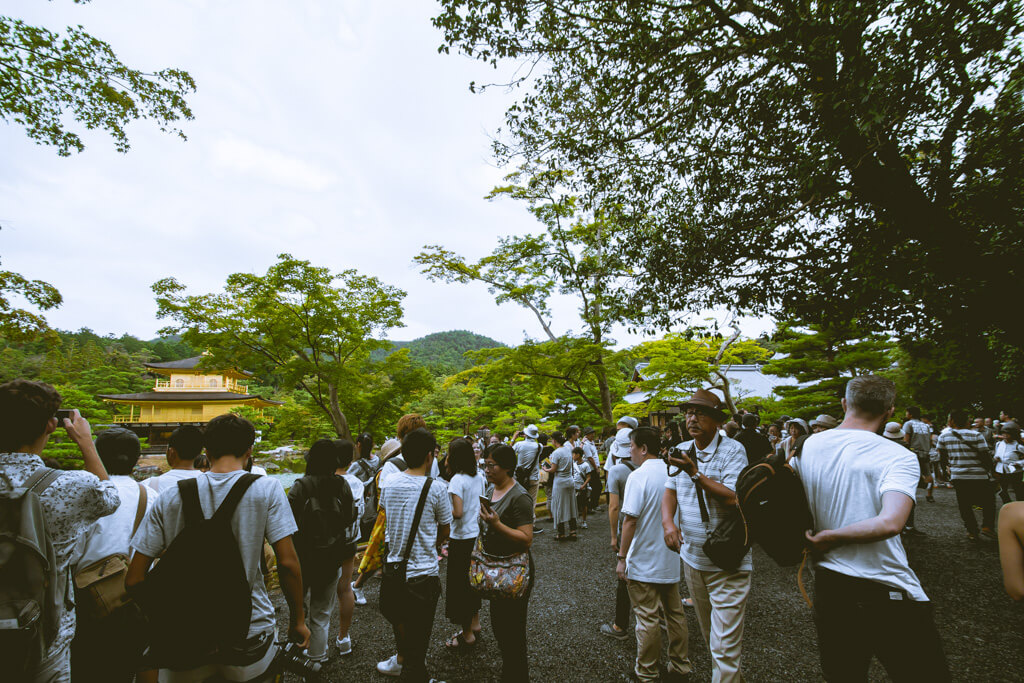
(720, 599)
(648, 600)
(532, 490)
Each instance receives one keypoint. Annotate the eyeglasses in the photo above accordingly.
(697, 412)
(490, 465)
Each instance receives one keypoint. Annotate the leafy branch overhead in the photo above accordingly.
(47, 78)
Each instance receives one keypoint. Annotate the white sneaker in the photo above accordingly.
(358, 592)
(583, 525)
(344, 646)
(390, 666)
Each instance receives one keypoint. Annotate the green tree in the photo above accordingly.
(569, 257)
(20, 324)
(313, 328)
(864, 160)
(681, 363)
(48, 79)
(822, 358)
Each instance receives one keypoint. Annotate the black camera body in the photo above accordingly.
(291, 657)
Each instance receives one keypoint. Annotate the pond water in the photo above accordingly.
(286, 478)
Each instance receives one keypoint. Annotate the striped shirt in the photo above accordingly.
(399, 501)
(722, 461)
(964, 462)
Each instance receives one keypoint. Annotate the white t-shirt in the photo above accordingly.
(469, 489)
(1009, 457)
(168, 479)
(112, 534)
(356, 485)
(262, 513)
(390, 469)
(399, 501)
(649, 559)
(845, 472)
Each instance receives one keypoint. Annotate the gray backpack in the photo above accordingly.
(31, 592)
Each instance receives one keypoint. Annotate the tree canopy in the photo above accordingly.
(48, 79)
(313, 328)
(830, 160)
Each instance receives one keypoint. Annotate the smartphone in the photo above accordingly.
(61, 414)
(486, 502)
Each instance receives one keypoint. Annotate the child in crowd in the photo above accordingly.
(581, 473)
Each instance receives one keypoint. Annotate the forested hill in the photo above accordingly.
(442, 352)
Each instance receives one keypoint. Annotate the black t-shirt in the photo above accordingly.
(514, 509)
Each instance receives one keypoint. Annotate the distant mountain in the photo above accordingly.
(441, 352)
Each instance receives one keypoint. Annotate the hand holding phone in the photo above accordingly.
(485, 502)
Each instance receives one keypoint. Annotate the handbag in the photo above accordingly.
(394, 589)
(729, 542)
(494, 576)
(101, 585)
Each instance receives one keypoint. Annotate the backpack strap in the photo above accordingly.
(189, 490)
(416, 518)
(227, 509)
(41, 480)
(141, 510)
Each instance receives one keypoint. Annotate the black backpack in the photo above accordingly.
(32, 592)
(324, 522)
(775, 507)
(197, 600)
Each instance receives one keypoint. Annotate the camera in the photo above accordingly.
(61, 414)
(291, 657)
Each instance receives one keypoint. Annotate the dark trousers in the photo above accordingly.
(857, 618)
(623, 608)
(1014, 481)
(107, 649)
(460, 601)
(508, 621)
(971, 492)
(413, 625)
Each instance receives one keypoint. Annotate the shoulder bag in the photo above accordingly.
(101, 585)
(495, 576)
(729, 542)
(523, 473)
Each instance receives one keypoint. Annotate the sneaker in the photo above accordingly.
(988, 533)
(537, 530)
(390, 666)
(583, 525)
(358, 592)
(344, 645)
(612, 632)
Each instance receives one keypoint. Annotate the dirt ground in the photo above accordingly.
(982, 629)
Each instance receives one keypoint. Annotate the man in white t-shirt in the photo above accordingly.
(650, 568)
(868, 601)
(184, 446)
(413, 618)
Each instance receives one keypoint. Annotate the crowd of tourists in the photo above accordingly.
(103, 578)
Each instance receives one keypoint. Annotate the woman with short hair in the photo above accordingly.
(508, 531)
(467, 485)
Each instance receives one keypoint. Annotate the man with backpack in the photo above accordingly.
(867, 601)
(108, 640)
(213, 527)
(45, 514)
(528, 452)
(703, 491)
(419, 514)
(184, 446)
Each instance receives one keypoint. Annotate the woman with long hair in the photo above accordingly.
(321, 568)
(563, 493)
(508, 531)
(467, 485)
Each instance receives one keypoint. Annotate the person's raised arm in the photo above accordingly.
(290, 573)
(1011, 548)
(896, 508)
(673, 537)
(80, 432)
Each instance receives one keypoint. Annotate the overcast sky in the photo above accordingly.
(331, 130)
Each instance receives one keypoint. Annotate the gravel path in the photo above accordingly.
(982, 629)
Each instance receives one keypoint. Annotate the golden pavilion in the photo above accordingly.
(184, 394)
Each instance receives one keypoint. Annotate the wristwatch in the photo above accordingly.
(695, 477)
(621, 557)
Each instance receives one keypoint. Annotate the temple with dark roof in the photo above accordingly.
(184, 393)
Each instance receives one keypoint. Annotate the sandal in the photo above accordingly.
(457, 642)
